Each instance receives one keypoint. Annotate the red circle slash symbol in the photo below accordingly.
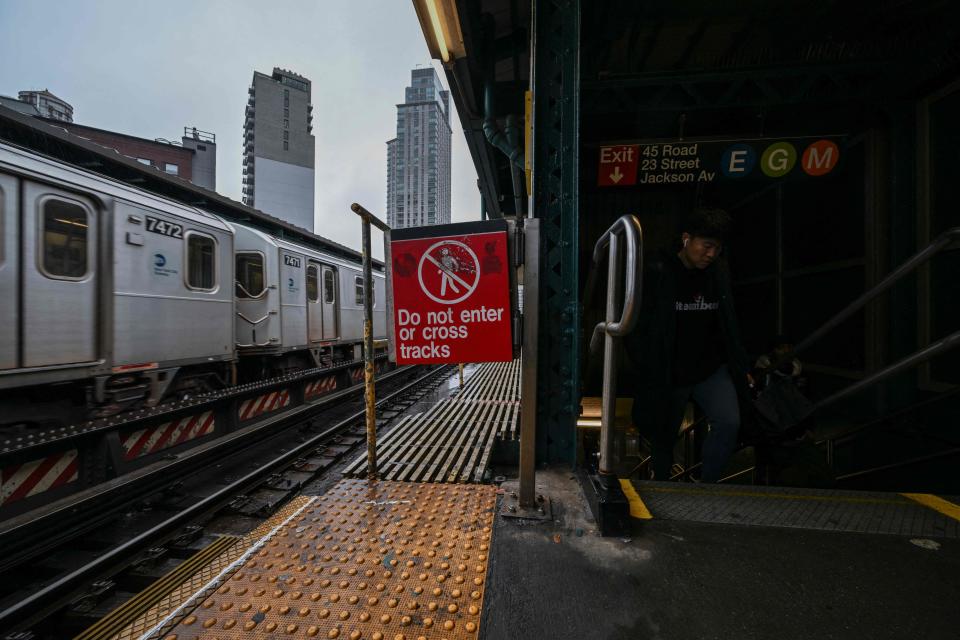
(449, 272)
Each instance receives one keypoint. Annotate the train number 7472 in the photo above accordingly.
(164, 228)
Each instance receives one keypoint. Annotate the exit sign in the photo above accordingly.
(618, 165)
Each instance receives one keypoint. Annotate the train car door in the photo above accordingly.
(9, 267)
(330, 303)
(314, 304)
(59, 277)
(293, 311)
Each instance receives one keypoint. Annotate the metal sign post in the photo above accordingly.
(528, 382)
(525, 502)
(368, 374)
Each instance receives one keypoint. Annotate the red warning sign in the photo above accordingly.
(618, 165)
(451, 293)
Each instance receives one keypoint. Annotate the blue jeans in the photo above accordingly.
(717, 398)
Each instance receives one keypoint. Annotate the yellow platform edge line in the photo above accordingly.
(776, 496)
(114, 622)
(183, 590)
(637, 508)
(936, 503)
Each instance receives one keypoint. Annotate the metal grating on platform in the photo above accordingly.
(818, 509)
(386, 560)
(498, 383)
(452, 441)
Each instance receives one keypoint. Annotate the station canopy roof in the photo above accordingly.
(643, 60)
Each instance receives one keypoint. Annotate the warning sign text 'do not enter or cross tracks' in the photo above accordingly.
(451, 293)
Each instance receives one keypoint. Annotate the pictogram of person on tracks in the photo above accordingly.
(449, 272)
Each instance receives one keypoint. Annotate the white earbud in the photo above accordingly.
(686, 241)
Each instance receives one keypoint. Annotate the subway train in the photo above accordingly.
(114, 298)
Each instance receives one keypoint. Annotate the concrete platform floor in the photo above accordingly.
(674, 580)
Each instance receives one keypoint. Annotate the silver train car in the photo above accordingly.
(112, 297)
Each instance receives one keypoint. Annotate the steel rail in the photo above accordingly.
(113, 559)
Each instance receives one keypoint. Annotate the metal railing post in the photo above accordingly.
(628, 228)
(368, 369)
(608, 406)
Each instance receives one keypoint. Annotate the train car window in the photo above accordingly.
(358, 289)
(201, 262)
(329, 285)
(249, 275)
(65, 231)
(313, 293)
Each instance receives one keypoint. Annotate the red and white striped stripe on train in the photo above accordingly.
(153, 439)
(322, 385)
(21, 481)
(356, 375)
(266, 403)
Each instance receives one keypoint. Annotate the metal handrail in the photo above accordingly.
(899, 465)
(944, 344)
(633, 235)
(247, 345)
(253, 322)
(940, 243)
(609, 243)
(249, 295)
(856, 431)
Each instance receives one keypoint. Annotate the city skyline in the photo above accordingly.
(149, 91)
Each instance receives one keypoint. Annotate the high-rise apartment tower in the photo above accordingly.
(278, 149)
(418, 159)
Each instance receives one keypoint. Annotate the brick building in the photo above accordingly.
(193, 159)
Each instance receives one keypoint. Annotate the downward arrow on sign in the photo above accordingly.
(616, 176)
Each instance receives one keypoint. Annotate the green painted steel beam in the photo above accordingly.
(740, 89)
(556, 140)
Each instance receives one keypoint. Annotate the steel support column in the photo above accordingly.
(556, 121)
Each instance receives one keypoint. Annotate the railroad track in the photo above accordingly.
(42, 466)
(322, 439)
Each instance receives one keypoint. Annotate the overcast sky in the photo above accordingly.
(150, 68)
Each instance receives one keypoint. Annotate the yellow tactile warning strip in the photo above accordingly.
(637, 508)
(377, 561)
(202, 576)
(118, 619)
(936, 503)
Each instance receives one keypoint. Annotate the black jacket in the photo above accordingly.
(651, 345)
